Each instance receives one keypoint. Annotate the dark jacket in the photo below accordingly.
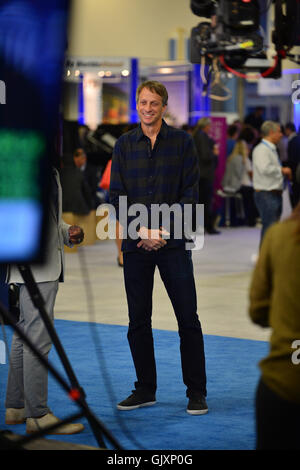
(293, 151)
(76, 194)
(91, 175)
(208, 161)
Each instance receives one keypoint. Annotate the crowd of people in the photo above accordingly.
(245, 174)
(81, 174)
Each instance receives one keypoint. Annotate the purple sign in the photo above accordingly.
(218, 132)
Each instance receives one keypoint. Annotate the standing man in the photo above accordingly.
(207, 151)
(89, 173)
(255, 119)
(268, 175)
(27, 385)
(293, 160)
(156, 164)
(76, 191)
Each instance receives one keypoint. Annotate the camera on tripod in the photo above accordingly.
(236, 37)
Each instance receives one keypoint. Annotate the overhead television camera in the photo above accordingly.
(234, 36)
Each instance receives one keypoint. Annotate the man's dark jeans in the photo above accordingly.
(269, 206)
(176, 271)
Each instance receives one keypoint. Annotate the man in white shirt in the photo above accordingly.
(268, 175)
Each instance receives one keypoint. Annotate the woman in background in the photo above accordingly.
(235, 167)
(238, 178)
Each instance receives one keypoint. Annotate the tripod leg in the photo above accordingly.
(95, 424)
(39, 304)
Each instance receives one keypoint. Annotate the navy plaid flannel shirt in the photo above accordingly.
(168, 173)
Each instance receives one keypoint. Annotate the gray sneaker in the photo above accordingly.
(38, 424)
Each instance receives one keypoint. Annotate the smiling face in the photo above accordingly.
(150, 108)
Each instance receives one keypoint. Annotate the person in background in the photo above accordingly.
(238, 178)
(233, 132)
(251, 136)
(76, 192)
(187, 128)
(208, 161)
(255, 118)
(235, 167)
(27, 385)
(282, 146)
(290, 131)
(268, 175)
(89, 173)
(104, 185)
(293, 160)
(274, 303)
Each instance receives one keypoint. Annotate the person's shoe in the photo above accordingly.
(213, 231)
(197, 406)
(15, 416)
(136, 400)
(37, 424)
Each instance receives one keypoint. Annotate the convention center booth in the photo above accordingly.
(99, 104)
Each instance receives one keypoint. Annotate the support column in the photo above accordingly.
(80, 100)
(134, 78)
(92, 89)
(297, 116)
(199, 106)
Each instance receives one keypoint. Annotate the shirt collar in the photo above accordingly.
(163, 132)
(291, 136)
(269, 144)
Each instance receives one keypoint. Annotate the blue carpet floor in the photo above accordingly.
(105, 371)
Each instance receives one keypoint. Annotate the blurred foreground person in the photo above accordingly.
(274, 303)
(27, 386)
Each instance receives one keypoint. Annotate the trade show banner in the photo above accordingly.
(218, 133)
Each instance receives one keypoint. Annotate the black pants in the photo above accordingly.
(206, 195)
(277, 421)
(176, 270)
(251, 212)
(295, 195)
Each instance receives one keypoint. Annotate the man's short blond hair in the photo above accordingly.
(155, 87)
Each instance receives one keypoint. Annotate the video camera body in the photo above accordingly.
(234, 32)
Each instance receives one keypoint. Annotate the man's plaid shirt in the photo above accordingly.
(168, 173)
